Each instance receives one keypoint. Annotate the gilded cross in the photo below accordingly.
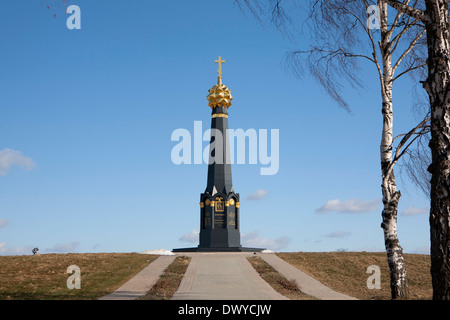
(220, 61)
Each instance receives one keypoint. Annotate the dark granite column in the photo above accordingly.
(219, 228)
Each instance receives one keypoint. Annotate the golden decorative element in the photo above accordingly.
(219, 204)
(219, 94)
(207, 202)
(220, 115)
(227, 203)
(238, 204)
(220, 61)
(202, 205)
(231, 202)
(212, 204)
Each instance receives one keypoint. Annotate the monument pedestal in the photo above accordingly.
(218, 249)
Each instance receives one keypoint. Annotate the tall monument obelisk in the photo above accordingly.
(219, 204)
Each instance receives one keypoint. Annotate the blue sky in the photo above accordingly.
(87, 117)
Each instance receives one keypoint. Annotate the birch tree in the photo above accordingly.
(435, 18)
(341, 33)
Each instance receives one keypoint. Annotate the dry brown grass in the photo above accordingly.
(169, 281)
(285, 287)
(44, 276)
(346, 272)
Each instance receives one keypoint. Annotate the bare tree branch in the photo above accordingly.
(411, 11)
(401, 148)
(410, 47)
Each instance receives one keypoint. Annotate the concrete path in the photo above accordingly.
(141, 282)
(306, 283)
(223, 276)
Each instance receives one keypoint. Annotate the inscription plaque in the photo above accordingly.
(220, 220)
(219, 204)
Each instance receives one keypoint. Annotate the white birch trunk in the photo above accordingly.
(435, 17)
(397, 266)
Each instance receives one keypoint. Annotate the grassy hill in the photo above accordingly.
(346, 272)
(44, 276)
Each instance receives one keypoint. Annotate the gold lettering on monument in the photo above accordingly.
(219, 214)
(219, 204)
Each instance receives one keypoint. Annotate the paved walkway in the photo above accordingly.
(223, 276)
(306, 283)
(141, 282)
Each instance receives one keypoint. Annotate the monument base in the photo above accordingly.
(218, 249)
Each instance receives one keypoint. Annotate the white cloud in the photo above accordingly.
(9, 158)
(3, 222)
(422, 250)
(349, 206)
(338, 234)
(6, 250)
(254, 240)
(257, 195)
(369, 249)
(63, 247)
(413, 211)
(190, 236)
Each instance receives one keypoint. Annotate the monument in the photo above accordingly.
(219, 204)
